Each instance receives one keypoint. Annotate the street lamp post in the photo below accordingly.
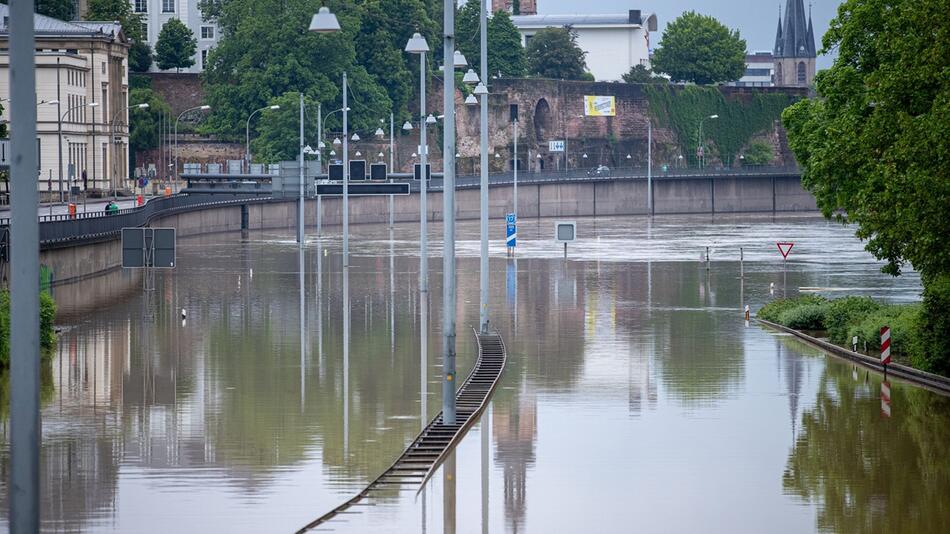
(702, 141)
(448, 151)
(60, 132)
(115, 181)
(418, 45)
(649, 166)
(482, 92)
(247, 134)
(180, 115)
(300, 200)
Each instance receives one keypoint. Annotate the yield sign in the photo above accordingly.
(785, 248)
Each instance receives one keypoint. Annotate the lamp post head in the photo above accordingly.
(459, 61)
(417, 44)
(51, 102)
(358, 153)
(333, 153)
(93, 104)
(584, 156)
(379, 132)
(714, 116)
(143, 106)
(321, 144)
(407, 126)
(355, 138)
(380, 155)
(307, 150)
(336, 141)
(324, 21)
(470, 100)
(629, 156)
(470, 78)
(497, 155)
(274, 107)
(430, 119)
(480, 89)
(414, 155)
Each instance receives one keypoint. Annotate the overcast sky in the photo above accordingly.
(755, 19)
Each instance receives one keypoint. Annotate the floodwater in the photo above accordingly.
(635, 397)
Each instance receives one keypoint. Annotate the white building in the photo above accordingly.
(82, 85)
(759, 70)
(155, 13)
(614, 43)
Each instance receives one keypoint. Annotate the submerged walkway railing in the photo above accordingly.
(437, 440)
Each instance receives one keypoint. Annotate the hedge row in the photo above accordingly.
(47, 334)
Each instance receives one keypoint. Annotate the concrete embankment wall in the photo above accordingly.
(620, 197)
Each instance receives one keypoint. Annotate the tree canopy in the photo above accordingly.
(58, 9)
(266, 51)
(176, 46)
(698, 48)
(641, 74)
(140, 57)
(506, 56)
(876, 141)
(553, 53)
(120, 10)
(278, 136)
(144, 123)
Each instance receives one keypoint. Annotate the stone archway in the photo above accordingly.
(543, 121)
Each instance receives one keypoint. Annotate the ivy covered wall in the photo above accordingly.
(740, 117)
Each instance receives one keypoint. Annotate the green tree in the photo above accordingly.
(176, 46)
(698, 48)
(140, 57)
(641, 74)
(278, 132)
(553, 53)
(759, 153)
(58, 9)
(144, 123)
(266, 51)
(506, 56)
(120, 10)
(876, 141)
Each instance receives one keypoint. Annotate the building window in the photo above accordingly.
(141, 6)
(168, 6)
(758, 72)
(802, 74)
(144, 26)
(207, 32)
(204, 59)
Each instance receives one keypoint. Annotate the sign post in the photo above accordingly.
(565, 232)
(785, 248)
(885, 348)
(511, 234)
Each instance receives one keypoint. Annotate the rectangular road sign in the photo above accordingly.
(556, 146)
(377, 171)
(417, 172)
(565, 231)
(358, 169)
(511, 230)
(148, 247)
(364, 189)
(335, 172)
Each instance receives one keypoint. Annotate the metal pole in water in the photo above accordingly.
(24, 484)
(741, 263)
(483, 204)
(423, 182)
(302, 163)
(650, 167)
(707, 258)
(392, 168)
(320, 165)
(448, 195)
(346, 179)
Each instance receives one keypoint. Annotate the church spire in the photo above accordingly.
(797, 37)
(778, 34)
(810, 38)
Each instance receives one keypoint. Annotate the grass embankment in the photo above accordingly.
(915, 328)
(47, 335)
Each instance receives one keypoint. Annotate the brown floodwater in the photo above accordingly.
(635, 397)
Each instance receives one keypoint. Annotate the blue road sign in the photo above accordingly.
(512, 231)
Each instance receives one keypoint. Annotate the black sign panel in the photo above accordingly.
(358, 169)
(163, 248)
(364, 189)
(336, 172)
(416, 171)
(133, 248)
(148, 247)
(377, 171)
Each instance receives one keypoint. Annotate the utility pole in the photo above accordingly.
(483, 264)
(448, 195)
(300, 220)
(24, 484)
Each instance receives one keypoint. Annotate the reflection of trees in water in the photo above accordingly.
(515, 427)
(869, 473)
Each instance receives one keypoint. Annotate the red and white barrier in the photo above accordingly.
(885, 345)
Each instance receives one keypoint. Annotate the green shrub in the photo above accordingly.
(807, 317)
(47, 332)
(933, 352)
(773, 310)
(841, 314)
(903, 320)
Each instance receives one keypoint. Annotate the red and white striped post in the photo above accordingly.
(886, 398)
(885, 347)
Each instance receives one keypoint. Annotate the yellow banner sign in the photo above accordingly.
(600, 106)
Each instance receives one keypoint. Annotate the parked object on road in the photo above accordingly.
(600, 170)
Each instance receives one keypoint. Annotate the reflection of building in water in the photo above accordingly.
(642, 385)
(515, 427)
